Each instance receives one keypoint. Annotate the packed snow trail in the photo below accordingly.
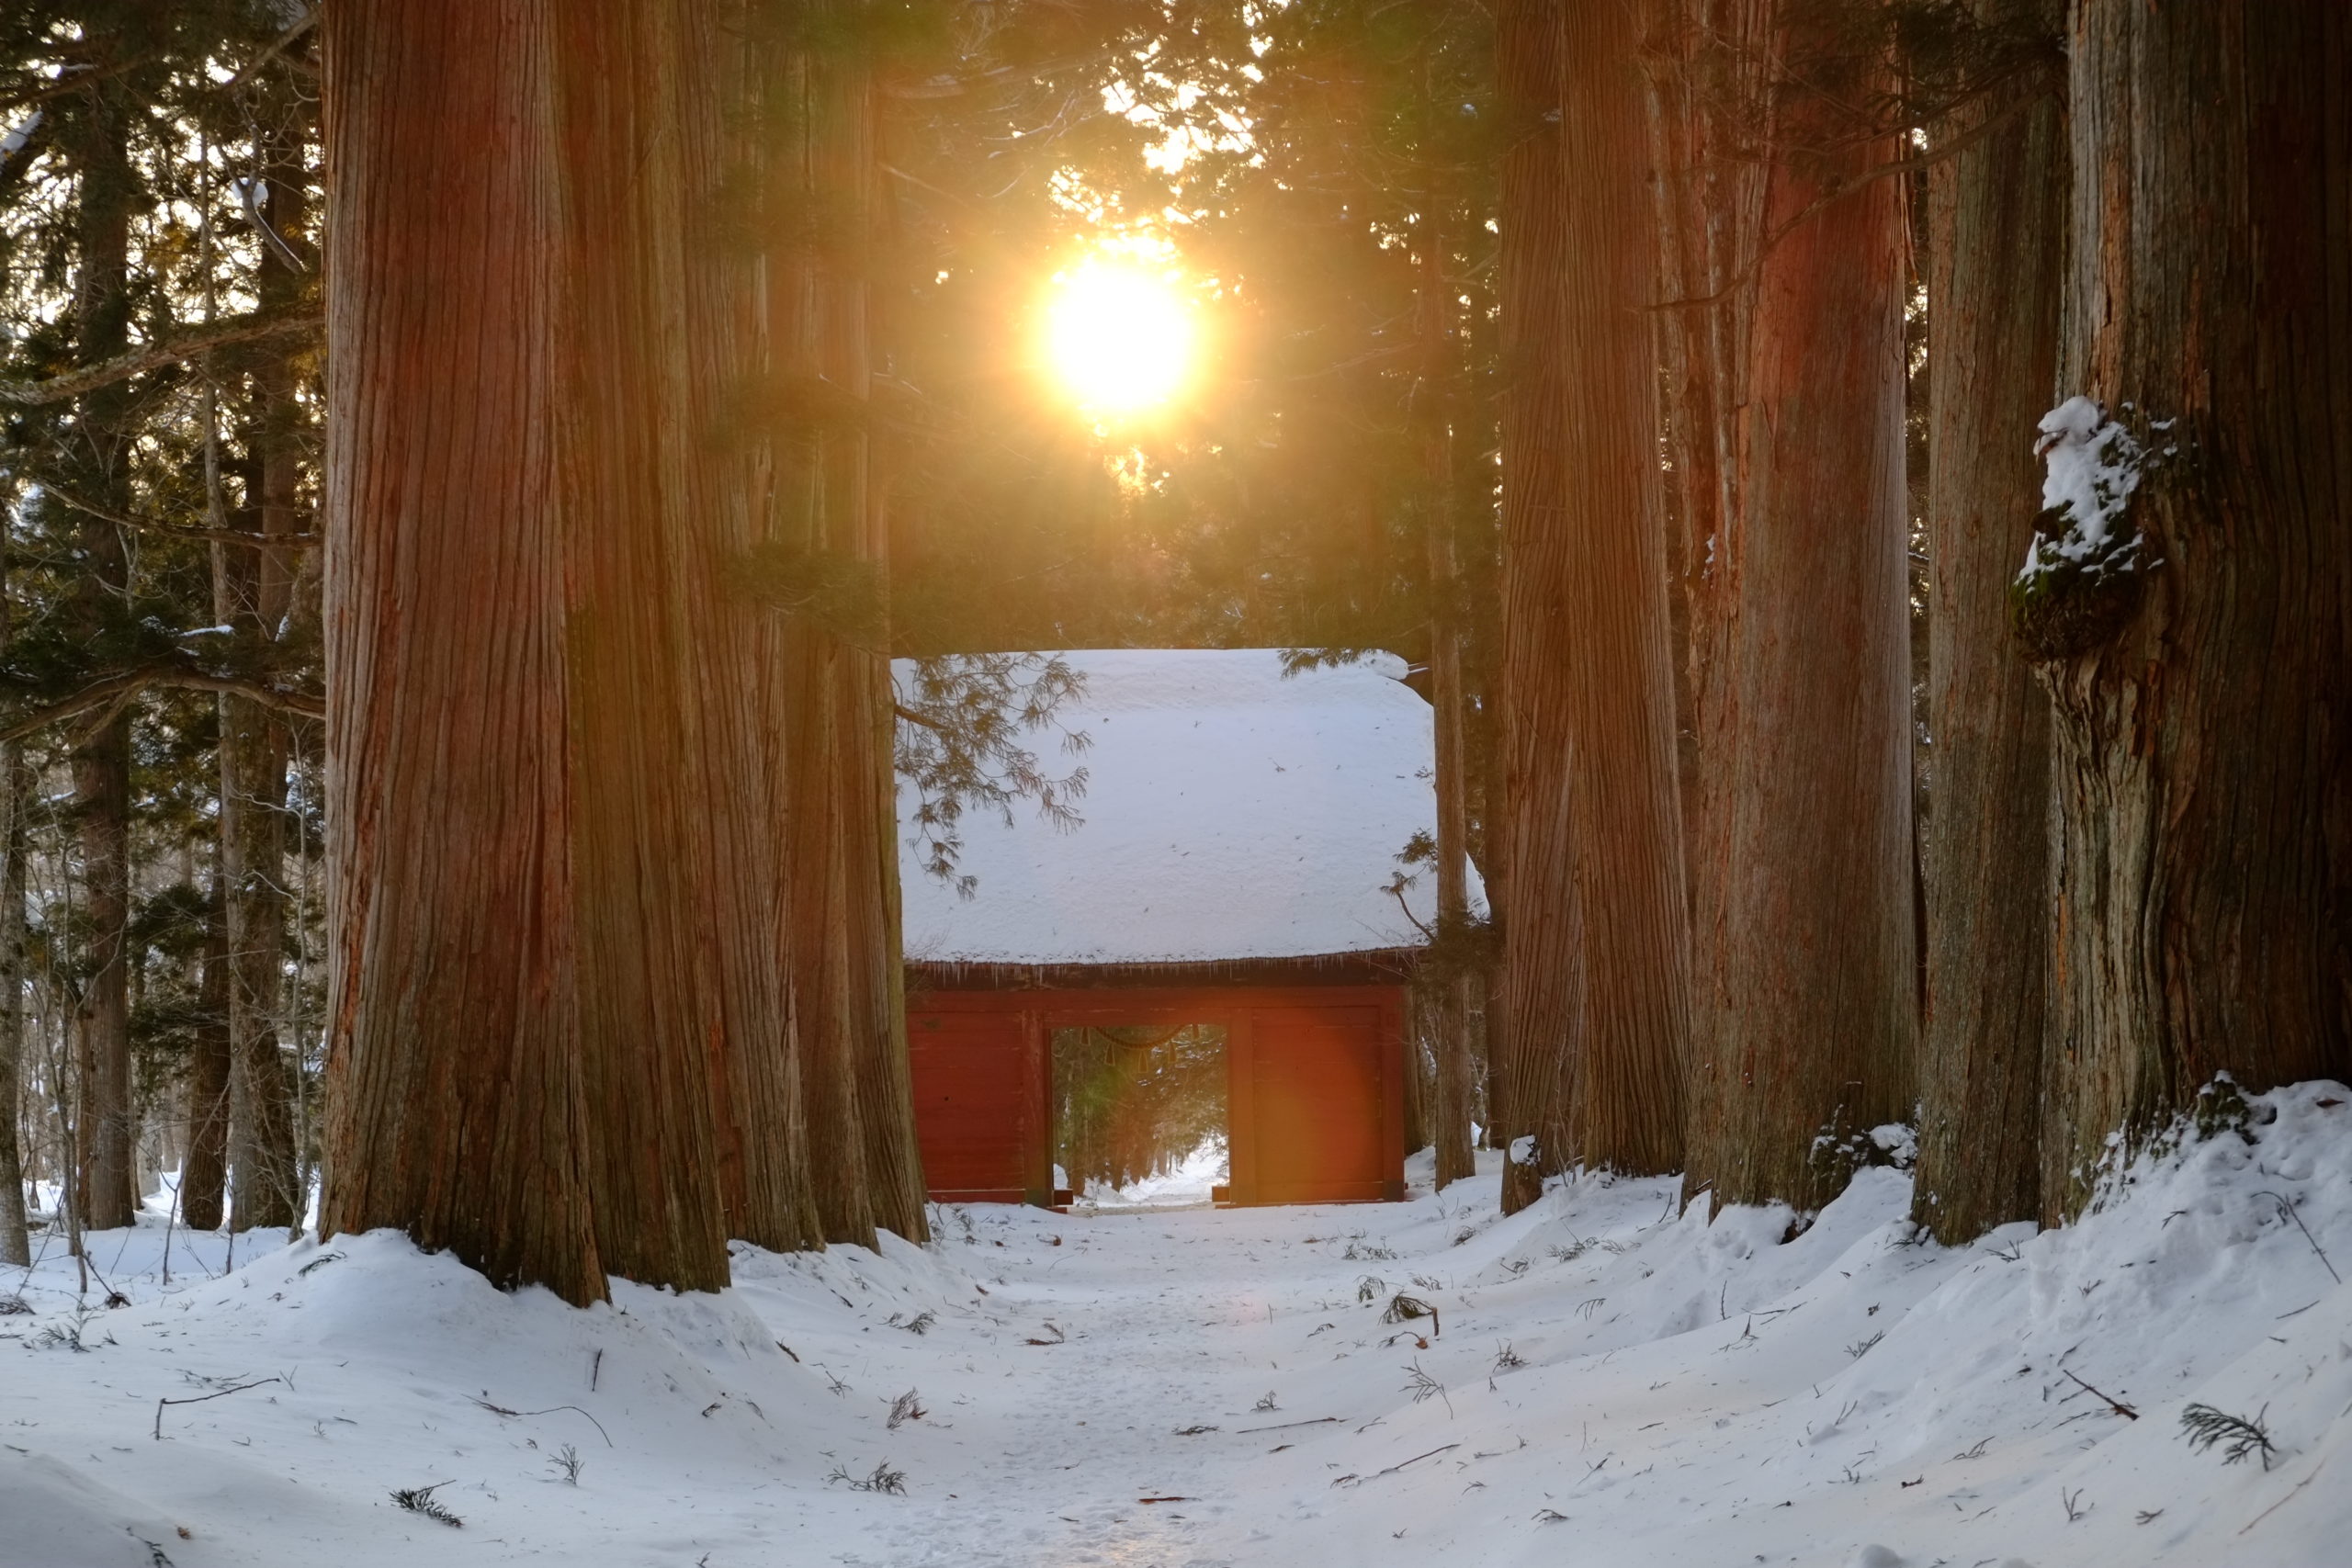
(1605, 1383)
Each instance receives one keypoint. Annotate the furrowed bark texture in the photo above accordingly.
(568, 731)
(822, 489)
(455, 1097)
(1597, 948)
(1997, 237)
(886, 1080)
(1541, 976)
(107, 1131)
(1588, 599)
(813, 475)
(254, 747)
(1805, 933)
(765, 1182)
(2202, 849)
(842, 888)
(867, 721)
(639, 154)
(820, 949)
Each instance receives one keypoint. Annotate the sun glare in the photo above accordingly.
(1120, 337)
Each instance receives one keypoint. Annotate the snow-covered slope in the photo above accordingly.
(1607, 1383)
(1230, 813)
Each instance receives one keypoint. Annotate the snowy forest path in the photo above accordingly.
(1135, 1347)
(1603, 1379)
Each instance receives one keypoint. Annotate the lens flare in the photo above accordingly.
(1120, 338)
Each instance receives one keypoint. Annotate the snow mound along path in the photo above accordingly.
(1230, 812)
(1601, 1379)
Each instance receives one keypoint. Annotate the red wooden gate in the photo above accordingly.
(1315, 1086)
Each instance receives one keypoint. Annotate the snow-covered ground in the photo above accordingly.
(1605, 1383)
(1188, 1186)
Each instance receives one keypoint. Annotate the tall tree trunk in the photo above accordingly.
(528, 1075)
(101, 455)
(764, 1177)
(204, 1169)
(1996, 240)
(868, 718)
(812, 479)
(1588, 598)
(15, 1246)
(1540, 980)
(455, 1097)
(643, 123)
(823, 982)
(1807, 986)
(264, 1180)
(2202, 857)
(1447, 1003)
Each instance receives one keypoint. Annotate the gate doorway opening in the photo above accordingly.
(1139, 1115)
(1313, 1084)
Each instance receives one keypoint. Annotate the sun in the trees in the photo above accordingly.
(1119, 336)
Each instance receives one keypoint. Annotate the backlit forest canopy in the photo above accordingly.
(500, 495)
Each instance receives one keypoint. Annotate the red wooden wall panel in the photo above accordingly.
(976, 1119)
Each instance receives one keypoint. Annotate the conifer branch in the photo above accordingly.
(154, 356)
(113, 690)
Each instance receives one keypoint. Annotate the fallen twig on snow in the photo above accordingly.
(1287, 1426)
(517, 1415)
(200, 1398)
(2112, 1403)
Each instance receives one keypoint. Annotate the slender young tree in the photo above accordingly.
(1996, 214)
(2199, 651)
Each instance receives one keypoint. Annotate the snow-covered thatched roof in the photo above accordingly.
(1230, 813)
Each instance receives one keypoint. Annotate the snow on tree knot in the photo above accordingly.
(2081, 581)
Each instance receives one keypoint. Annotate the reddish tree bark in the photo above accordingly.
(1805, 995)
(1598, 944)
(1537, 985)
(456, 1094)
(1609, 626)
